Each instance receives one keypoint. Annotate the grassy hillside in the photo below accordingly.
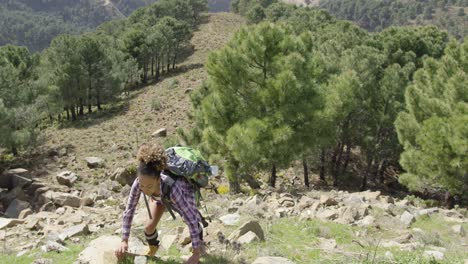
(115, 134)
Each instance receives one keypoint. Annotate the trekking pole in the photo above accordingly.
(147, 206)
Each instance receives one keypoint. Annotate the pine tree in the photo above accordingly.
(433, 129)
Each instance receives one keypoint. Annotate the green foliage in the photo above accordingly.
(376, 15)
(433, 128)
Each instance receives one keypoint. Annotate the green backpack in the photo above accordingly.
(189, 163)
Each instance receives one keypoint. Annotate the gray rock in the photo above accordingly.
(367, 221)
(230, 219)
(327, 200)
(87, 201)
(305, 202)
(43, 261)
(327, 215)
(272, 260)
(17, 171)
(167, 241)
(15, 208)
(25, 213)
(140, 260)
(247, 238)
(428, 211)
(160, 133)
(62, 199)
(74, 231)
(53, 246)
(94, 162)
(327, 244)
(67, 178)
(103, 194)
(253, 226)
(237, 203)
(100, 250)
(389, 256)
(124, 176)
(19, 181)
(7, 222)
(434, 254)
(458, 229)
(407, 218)
(370, 196)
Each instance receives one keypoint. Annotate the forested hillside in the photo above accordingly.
(33, 23)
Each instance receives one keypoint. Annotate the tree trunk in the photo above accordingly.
(98, 100)
(381, 171)
(14, 150)
(175, 56)
(158, 63)
(336, 159)
(322, 165)
(68, 113)
(347, 157)
(251, 181)
(366, 174)
(272, 180)
(306, 171)
(73, 113)
(234, 187)
(81, 107)
(449, 200)
(152, 66)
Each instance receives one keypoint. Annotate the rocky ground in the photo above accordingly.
(66, 207)
(299, 226)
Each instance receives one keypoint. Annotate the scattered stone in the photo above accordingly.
(354, 200)
(74, 231)
(43, 261)
(48, 207)
(19, 181)
(124, 176)
(15, 208)
(286, 202)
(253, 201)
(281, 212)
(94, 162)
(67, 178)
(253, 226)
(62, 199)
(405, 238)
(25, 213)
(8, 222)
(17, 171)
(327, 244)
(389, 256)
(370, 196)
(167, 241)
(184, 237)
(32, 224)
(326, 200)
(247, 238)
(428, 211)
(233, 210)
(140, 260)
(237, 203)
(22, 253)
(230, 219)
(367, 221)
(160, 133)
(305, 202)
(103, 194)
(272, 260)
(407, 218)
(100, 251)
(434, 254)
(87, 201)
(327, 214)
(53, 246)
(458, 229)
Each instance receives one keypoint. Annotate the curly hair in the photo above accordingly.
(152, 160)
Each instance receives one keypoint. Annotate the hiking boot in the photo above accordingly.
(152, 251)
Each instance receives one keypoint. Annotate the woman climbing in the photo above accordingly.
(151, 180)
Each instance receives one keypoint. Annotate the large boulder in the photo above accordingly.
(272, 260)
(15, 178)
(74, 231)
(15, 208)
(407, 218)
(8, 222)
(327, 200)
(101, 250)
(247, 238)
(253, 226)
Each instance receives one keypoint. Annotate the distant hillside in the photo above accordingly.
(375, 15)
(34, 23)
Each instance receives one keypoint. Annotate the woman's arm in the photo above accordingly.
(132, 202)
